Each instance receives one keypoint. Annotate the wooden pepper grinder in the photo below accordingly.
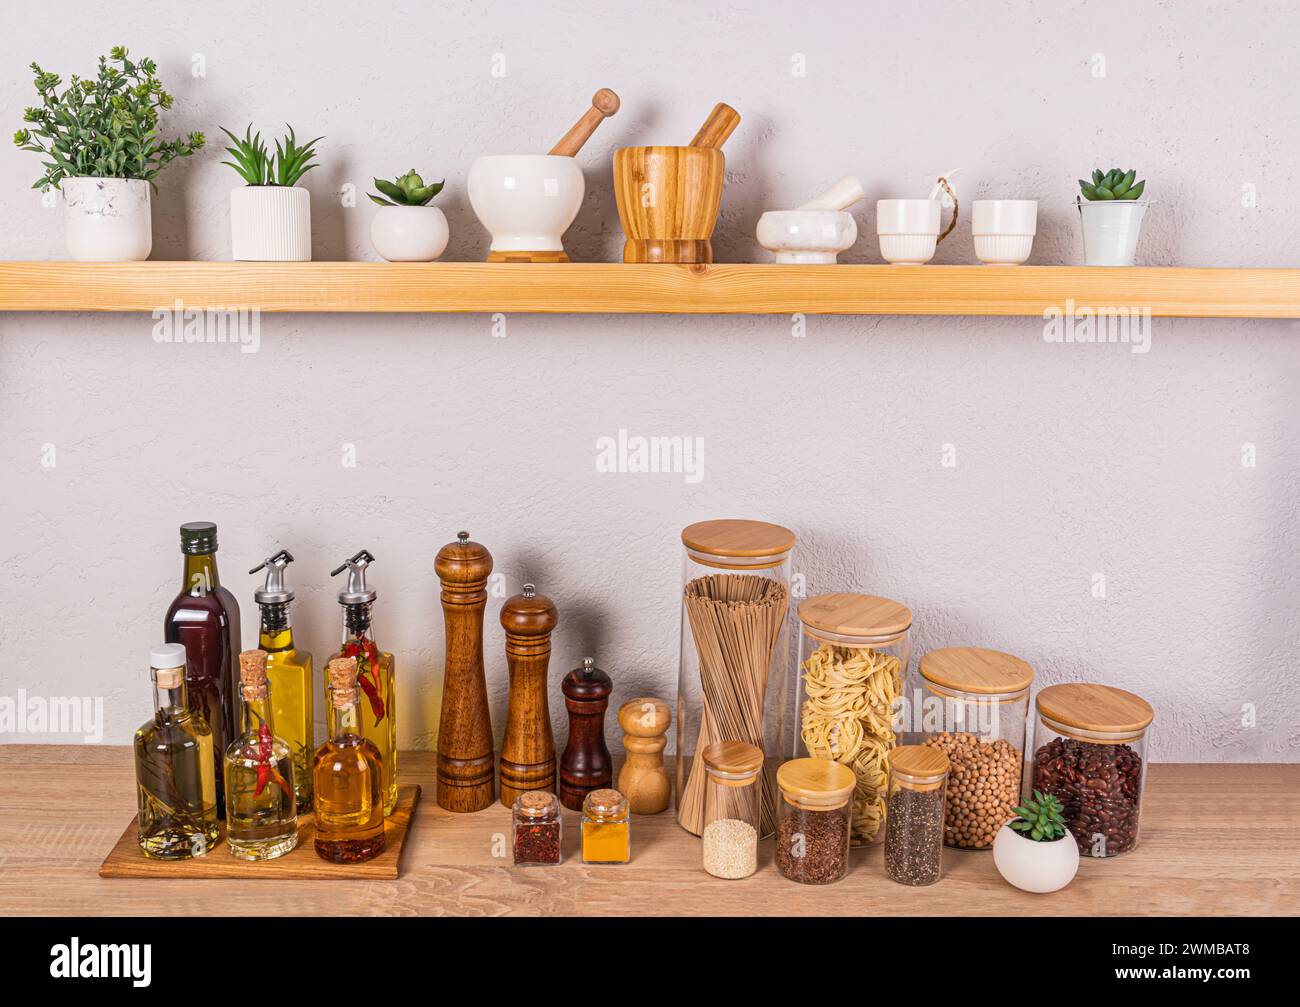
(585, 765)
(644, 781)
(528, 752)
(465, 770)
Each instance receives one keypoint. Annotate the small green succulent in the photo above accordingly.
(406, 190)
(258, 166)
(1114, 184)
(1041, 818)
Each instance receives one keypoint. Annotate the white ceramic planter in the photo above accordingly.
(270, 223)
(1004, 230)
(1035, 867)
(409, 233)
(806, 236)
(1110, 230)
(526, 201)
(107, 219)
(908, 230)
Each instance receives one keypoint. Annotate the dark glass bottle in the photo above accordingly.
(204, 619)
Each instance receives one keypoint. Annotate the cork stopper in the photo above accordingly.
(536, 804)
(342, 675)
(169, 678)
(605, 802)
(252, 674)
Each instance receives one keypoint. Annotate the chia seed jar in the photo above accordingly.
(812, 833)
(914, 824)
(1090, 745)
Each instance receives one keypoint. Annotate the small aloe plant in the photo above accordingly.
(257, 166)
(406, 190)
(1114, 184)
(1042, 818)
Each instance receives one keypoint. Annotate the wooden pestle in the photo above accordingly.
(720, 124)
(465, 770)
(604, 103)
(528, 751)
(644, 780)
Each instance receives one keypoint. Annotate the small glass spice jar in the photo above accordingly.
(606, 828)
(973, 705)
(854, 651)
(732, 804)
(1090, 745)
(914, 816)
(812, 828)
(539, 831)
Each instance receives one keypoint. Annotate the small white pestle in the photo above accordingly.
(840, 196)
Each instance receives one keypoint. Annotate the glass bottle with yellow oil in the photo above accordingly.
(375, 670)
(289, 671)
(348, 787)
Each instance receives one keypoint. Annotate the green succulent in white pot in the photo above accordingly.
(1111, 209)
(270, 215)
(100, 144)
(1035, 851)
(407, 228)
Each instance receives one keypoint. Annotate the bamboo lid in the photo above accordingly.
(735, 758)
(923, 767)
(977, 670)
(816, 784)
(1100, 708)
(861, 615)
(738, 538)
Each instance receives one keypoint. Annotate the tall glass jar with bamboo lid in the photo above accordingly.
(732, 809)
(812, 833)
(732, 680)
(972, 704)
(854, 651)
(1090, 750)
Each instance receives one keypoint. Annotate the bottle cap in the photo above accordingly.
(198, 538)
(274, 592)
(167, 655)
(356, 592)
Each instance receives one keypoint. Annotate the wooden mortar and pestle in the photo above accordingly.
(669, 197)
(528, 201)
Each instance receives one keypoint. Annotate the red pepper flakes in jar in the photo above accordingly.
(537, 829)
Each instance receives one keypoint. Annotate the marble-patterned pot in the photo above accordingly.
(107, 219)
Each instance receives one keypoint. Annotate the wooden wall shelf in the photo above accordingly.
(613, 288)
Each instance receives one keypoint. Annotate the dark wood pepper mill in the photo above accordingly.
(465, 765)
(528, 752)
(585, 765)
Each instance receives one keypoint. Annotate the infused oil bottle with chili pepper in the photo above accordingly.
(347, 789)
(375, 670)
(288, 669)
(261, 810)
(204, 619)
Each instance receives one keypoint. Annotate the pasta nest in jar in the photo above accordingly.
(850, 695)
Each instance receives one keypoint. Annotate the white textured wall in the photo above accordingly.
(1071, 460)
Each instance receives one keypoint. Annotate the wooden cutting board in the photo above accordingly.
(126, 860)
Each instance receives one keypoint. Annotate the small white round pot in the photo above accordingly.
(1004, 230)
(1110, 230)
(107, 219)
(270, 223)
(526, 201)
(806, 236)
(409, 233)
(908, 230)
(1032, 866)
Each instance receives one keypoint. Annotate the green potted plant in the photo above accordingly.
(270, 215)
(1035, 851)
(100, 140)
(1111, 210)
(407, 228)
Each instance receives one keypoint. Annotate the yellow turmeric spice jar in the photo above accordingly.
(606, 828)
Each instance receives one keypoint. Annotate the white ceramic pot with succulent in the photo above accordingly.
(100, 140)
(1111, 213)
(407, 228)
(1035, 852)
(270, 216)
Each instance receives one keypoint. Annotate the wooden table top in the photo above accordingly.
(65, 806)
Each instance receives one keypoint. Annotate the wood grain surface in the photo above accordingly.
(64, 808)
(600, 288)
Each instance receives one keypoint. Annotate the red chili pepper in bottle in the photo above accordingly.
(368, 667)
(265, 771)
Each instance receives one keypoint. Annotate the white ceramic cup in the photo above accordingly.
(1004, 230)
(526, 201)
(908, 230)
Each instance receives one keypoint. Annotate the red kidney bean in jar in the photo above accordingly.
(1090, 744)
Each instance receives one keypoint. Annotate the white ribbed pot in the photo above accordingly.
(409, 233)
(107, 219)
(270, 223)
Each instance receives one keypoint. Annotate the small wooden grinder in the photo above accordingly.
(528, 752)
(465, 729)
(644, 780)
(585, 765)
